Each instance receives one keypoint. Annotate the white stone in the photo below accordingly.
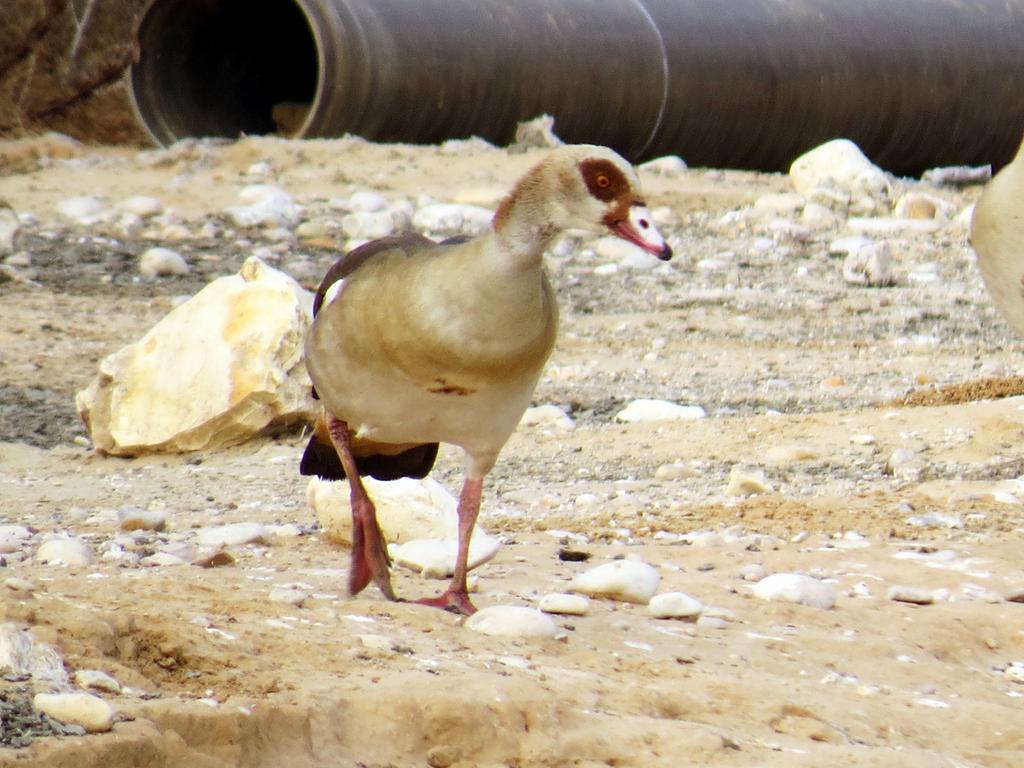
(84, 709)
(645, 409)
(158, 262)
(753, 572)
(818, 216)
(891, 226)
(222, 367)
(631, 581)
(407, 509)
(547, 416)
(919, 205)
(64, 550)
(435, 558)
(369, 225)
(780, 202)
(84, 210)
(134, 519)
(796, 588)
(20, 655)
(675, 605)
(625, 254)
(452, 218)
(162, 560)
(789, 454)
(747, 482)
(915, 595)
(512, 621)
(536, 133)
(863, 438)
(675, 471)
(265, 206)
(94, 678)
(366, 201)
(849, 244)
(869, 265)
(289, 594)
(838, 163)
(667, 165)
(142, 206)
(1014, 672)
(13, 538)
(10, 225)
(563, 603)
(233, 535)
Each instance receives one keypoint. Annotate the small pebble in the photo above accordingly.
(667, 165)
(675, 471)
(747, 482)
(94, 678)
(134, 519)
(10, 225)
(84, 709)
(629, 580)
(645, 409)
(289, 595)
(1014, 672)
(64, 551)
(142, 206)
(913, 595)
(232, 535)
(84, 210)
(788, 454)
(162, 262)
(753, 572)
(13, 538)
(1015, 595)
(512, 621)
(547, 416)
(796, 588)
(674, 605)
(452, 218)
(560, 602)
(267, 206)
(870, 265)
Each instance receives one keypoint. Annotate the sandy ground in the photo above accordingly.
(770, 340)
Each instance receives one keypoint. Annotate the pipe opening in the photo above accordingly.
(224, 68)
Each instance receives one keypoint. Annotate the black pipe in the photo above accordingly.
(743, 83)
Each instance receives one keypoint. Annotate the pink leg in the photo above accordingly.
(456, 597)
(370, 559)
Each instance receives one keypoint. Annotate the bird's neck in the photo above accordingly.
(523, 225)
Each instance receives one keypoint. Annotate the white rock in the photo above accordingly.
(625, 254)
(675, 471)
(780, 202)
(233, 535)
(869, 265)
(796, 588)
(289, 595)
(20, 655)
(629, 580)
(566, 604)
(789, 454)
(1014, 672)
(220, 368)
(538, 132)
(753, 572)
(64, 551)
(84, 709)
(918, 205)
(142, 206)
(452, 218)
(266, 206)
(407, 509)
(667, 165)
(366, 201)
(547, 416)
(747, 482)
(899, 457)
(839, 163)
(10, 225)
(891, 226)
(512, 621)
(818, 216)
(914, 595)
(435, 558)
(849, 244)
(369, 225)
(134, 519)
(674, 605)
(84, 210)
(157, 262)
(645, 409)
(94, 678)
(13, 538)
(863, 438)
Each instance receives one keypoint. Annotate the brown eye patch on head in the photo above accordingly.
(603, 179)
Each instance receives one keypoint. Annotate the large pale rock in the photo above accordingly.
(222, 367)
(408, 511)
(839, 164)
(84, 709)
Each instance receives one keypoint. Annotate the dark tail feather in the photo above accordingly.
(322, 460)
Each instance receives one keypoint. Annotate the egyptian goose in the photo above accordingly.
(997, 234)
(415, 343)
